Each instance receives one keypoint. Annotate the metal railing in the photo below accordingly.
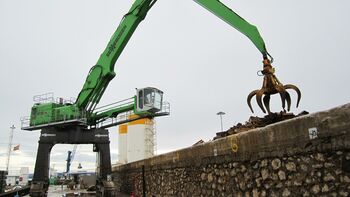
(165, 107)
(126, 117)
(78, 117)
(44, 98)
(49, 98)
(25, 121)
(65, 101)
(122, 117)
(115, 105)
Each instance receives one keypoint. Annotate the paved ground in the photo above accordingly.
(58, 191)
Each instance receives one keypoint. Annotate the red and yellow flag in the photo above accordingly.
(16, 147)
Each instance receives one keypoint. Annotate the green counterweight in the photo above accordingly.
(53, 112)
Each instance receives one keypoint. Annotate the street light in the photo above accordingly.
(221, 114)
(9, 147)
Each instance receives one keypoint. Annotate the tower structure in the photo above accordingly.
(137, 140)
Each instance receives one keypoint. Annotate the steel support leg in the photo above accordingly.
(105, 184)
(73, 135)
(40, 182)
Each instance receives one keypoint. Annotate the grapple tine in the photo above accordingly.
(249, 98)
(288, 101)
(266, 100)
(283, 99)
(290, 86)
(282, 91)
(259, 100)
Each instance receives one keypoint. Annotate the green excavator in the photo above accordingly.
(147, 101)
(81, 122)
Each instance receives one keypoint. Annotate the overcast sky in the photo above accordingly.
(202, 64)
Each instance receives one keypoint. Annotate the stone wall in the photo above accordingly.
(305, 156)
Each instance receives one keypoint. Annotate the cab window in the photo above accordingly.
(149, 97)
(141, 99)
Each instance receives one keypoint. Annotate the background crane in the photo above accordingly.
(70, 157)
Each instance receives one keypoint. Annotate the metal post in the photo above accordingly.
(10, 147)
(143, 182)
(220, 114)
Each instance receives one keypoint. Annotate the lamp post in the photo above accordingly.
(9, 148)
(221, 114)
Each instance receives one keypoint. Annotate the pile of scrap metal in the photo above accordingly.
(256, 122)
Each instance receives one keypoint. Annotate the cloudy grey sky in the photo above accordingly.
(202, 64)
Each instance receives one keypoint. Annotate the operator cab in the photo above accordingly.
(149, 100)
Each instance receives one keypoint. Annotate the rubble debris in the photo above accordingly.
(198, 143)
(256, 122)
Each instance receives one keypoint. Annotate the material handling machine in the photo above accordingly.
(81, 122)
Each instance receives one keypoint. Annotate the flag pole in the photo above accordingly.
(10, 147)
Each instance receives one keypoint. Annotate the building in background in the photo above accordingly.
(137, 140)
(20, 177)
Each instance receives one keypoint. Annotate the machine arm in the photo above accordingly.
(271, 85)
(233, 19)
(103, 72)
